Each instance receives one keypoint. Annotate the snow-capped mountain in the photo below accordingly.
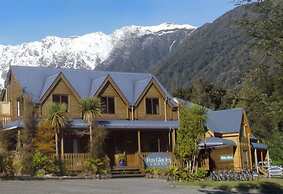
(86, 51)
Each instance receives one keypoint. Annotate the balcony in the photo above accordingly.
(5, 113)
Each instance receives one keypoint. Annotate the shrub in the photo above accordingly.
(98, 166)
(17, 163)
(184, 174)
(42, 165)
(6, 165)
(200, 174)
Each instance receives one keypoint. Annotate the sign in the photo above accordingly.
(226, 157)
(158, 160)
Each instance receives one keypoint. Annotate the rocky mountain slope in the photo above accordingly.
(89, 50)
(220, 52)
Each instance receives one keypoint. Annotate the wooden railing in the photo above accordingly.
(4, 119)
(75, 161)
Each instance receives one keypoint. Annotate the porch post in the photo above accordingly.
(256, 165)
(139, 141)
(261, 156)
(158, 144)
(62, 146)
(268, 163)
(19, 139)
(56, 145)
(169, 140)
(173, 140)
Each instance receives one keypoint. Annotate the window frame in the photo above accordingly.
(60, 100)
(107, 107)
(152, 108)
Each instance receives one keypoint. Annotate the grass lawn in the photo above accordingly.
(262, 185)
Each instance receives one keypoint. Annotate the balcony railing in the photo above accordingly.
(5, 113)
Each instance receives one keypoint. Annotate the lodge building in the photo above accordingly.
(141, 117)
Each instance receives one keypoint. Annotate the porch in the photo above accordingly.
(132, 144)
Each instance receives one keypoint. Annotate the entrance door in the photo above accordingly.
(122, 142)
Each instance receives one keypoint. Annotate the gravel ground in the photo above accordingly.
(109, 186)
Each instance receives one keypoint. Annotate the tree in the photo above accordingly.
(204, 93)
(91, 109)
(191, 131)
(25, 136)
(58, 120)
(261, 92)
(44, 138)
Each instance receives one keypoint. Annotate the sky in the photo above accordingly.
(30, 20)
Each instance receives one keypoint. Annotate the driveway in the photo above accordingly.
(109, 186)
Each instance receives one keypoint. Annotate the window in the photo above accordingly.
(152, 106)
(107, 105)
(61, 99)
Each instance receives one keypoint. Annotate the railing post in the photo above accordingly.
(256, 165)
(62, 146)
(139, 141)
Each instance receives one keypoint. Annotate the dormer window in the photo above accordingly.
(152, 106)
(61, 99)
(107, 105)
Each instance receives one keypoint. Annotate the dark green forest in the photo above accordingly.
(261, 90)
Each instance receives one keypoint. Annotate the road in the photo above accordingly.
(108, 186)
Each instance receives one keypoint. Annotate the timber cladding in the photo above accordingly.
(154, 92)
(61, 88)
(237, 162)
(223, 158)
(14, 90)
(121, 108)
(123, 111)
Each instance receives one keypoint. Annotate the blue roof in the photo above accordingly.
(36, 81)
(139, 124)
(13, 125)
(259, 146)
(216, 142)
(109, 124)
(225, 121)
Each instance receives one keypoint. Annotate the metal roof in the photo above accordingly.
(216, 142)
(13, 125)
(109, 124)
(35, 81)
(259, 146)
(225, 121)
(139, 124)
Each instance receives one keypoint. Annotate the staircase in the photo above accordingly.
(126, 172)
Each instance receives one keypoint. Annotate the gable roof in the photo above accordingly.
(225, 121)
(36, 81)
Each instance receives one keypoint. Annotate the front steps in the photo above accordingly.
(126, 172)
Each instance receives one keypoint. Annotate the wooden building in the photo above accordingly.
(230, 142)
(141, 117)
(138, 113)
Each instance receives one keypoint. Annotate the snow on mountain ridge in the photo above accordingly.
(84, 51)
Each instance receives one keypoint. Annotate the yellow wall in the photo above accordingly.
(237, 154)
(14, 91)
(74, 110)
(223, 164)
(153, 92)
(121, 108)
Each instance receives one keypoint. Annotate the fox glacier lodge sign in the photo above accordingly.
(158, 160)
